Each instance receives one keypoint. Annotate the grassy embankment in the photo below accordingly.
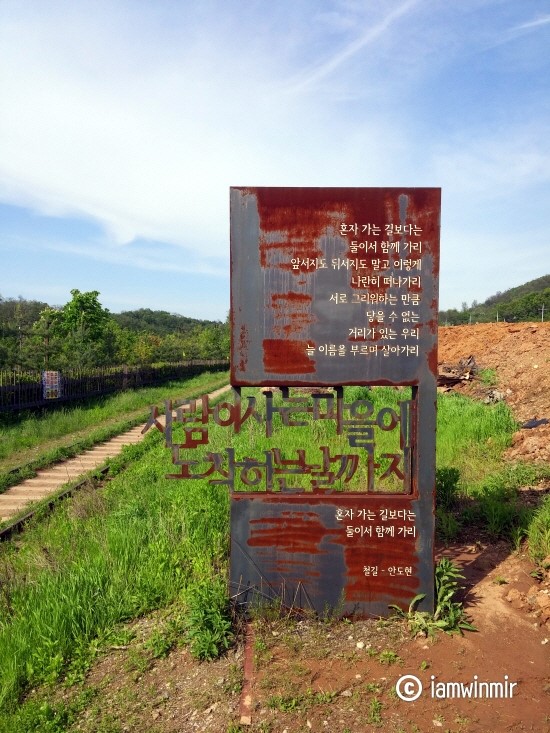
(106, 557)
(29, 441)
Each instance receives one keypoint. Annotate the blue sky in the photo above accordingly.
(124, 123)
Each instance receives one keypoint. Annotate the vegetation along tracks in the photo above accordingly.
(91, 462)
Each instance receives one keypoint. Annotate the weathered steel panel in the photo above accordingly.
(356, 554)
(331, 287)
(334, 286)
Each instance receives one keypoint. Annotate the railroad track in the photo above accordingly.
(63, 479)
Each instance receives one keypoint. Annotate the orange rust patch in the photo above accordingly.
(282, 356)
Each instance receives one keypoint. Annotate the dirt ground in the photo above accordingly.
(342, 676)
(519, 356)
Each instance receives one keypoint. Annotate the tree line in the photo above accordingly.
(528, 302)
(83, 334)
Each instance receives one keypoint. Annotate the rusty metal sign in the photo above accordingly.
(331, 288)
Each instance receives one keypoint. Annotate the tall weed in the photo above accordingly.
(471, 436)
(538, 533)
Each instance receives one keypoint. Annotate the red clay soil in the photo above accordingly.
(519, 356)
(342, 677)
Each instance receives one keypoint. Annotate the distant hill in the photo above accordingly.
(160, 323)
(528, 302)
(22, 313)
(18, 313)
(533, 286)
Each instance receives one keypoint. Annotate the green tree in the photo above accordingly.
(84, 325)
(44, 343)
(124, 342)
(145, 348)
(171, 349)
(17, 316)
(213, 341)
(19, 312)
(84, 314)
(78, 335)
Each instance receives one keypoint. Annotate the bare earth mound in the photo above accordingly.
(519, 354)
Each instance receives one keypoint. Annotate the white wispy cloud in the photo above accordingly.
(533, 24)
(153, 154)
(131, 257)
(149, 257)
(310, 77)
(496, 166)
(504, 35)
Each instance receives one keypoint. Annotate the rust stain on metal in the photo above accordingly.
(300, 539)
(291, 226)
(291, 314)
(432, 359)
(291, 532)
(243, 346)
(281, 356)
(290, 297)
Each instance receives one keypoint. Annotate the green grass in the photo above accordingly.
(143, 542)
(493, 505)
(472, 436)
(29, 442)
(41, 716)
(488, 377)
(104, 558)
(28, 430)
